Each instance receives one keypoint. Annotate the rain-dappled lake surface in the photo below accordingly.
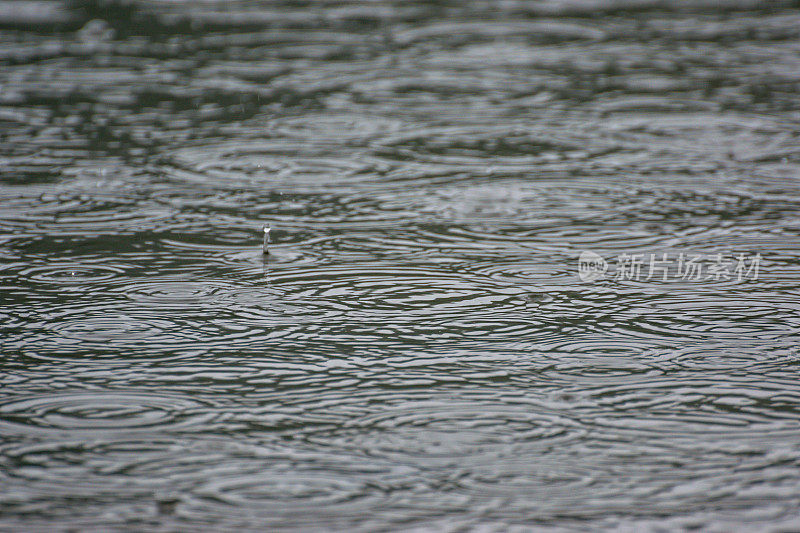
(419, 350)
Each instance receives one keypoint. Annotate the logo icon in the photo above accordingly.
(591, 266)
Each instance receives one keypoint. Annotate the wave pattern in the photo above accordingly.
(417, 352)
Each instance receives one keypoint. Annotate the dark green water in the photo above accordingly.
(419, 351)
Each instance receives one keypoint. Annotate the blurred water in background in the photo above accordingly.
(417, 352)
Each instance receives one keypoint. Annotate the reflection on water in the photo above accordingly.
(418, 350)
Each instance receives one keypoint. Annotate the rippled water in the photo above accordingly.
(418, 351)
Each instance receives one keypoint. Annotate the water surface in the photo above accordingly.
(418, 351)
